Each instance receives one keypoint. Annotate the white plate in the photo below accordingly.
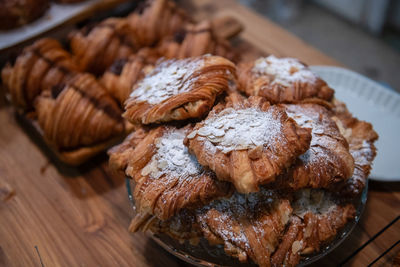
(372, 102)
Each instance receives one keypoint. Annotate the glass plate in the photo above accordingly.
(205, 255)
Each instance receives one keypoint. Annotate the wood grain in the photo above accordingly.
(80, 216)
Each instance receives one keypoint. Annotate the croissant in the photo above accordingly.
(281, 80)
(167, 178)
(38, 68)
(14, 13)
(248, 225)
(195, 40)
(123, 74)
(96, 48)
(179, 90)
(328, 161)
(120, 154)
(361, 138)
(322, 217)
(316, 220)
(182, 227)
(78, 113)
(248, 142)
(155, 19)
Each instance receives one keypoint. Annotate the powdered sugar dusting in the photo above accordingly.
(312, 200)
(241, 204)
(284, 71)
(172, 157)
(241, 129)
(361, 153)
(237, 207)
(309, 118)
(168, 79)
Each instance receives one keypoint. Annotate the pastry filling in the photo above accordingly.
(241, 129)
(284, 71)
(168, 79)
(172, 157)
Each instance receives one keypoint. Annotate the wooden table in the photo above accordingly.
(79, 216)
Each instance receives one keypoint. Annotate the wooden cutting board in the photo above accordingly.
(56, 216)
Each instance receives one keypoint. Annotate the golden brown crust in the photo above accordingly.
(98, 47)
(182, 227)
(249, 167)
(320, 229)
(255, 80)
(165, 185)
(79, 113)
(249, 226)
(316, 220)
(195, 40)
(123, 74)
(322, 214)
(288, 251)
(14, 13)
(328, 160)
(179, 90)
(155, 19)
(120, 155)
(40, 67)
(361, 138)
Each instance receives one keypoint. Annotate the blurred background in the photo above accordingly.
(362, 34)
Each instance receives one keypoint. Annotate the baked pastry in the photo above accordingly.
(281, 80)
(96, 48)
(179, 90)
(167, 178)
(248, 225)
(195, 40)
(361, 138)
(155, 19)
(123, 74)
(182, 227)
(120, 154)
(316, 220)
(78, 113)
(248, 142)
(328, 161)
(14, 13)
(39, 67)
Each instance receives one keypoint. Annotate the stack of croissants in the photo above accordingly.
(256, 157)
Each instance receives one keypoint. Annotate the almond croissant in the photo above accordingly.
(248, 225)
(281, 80)
(328, 161)
(248, 142)
(167, 178)
(179, 89)
(38, 68)
(78, 113)
(316, 220)
(361, 138)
